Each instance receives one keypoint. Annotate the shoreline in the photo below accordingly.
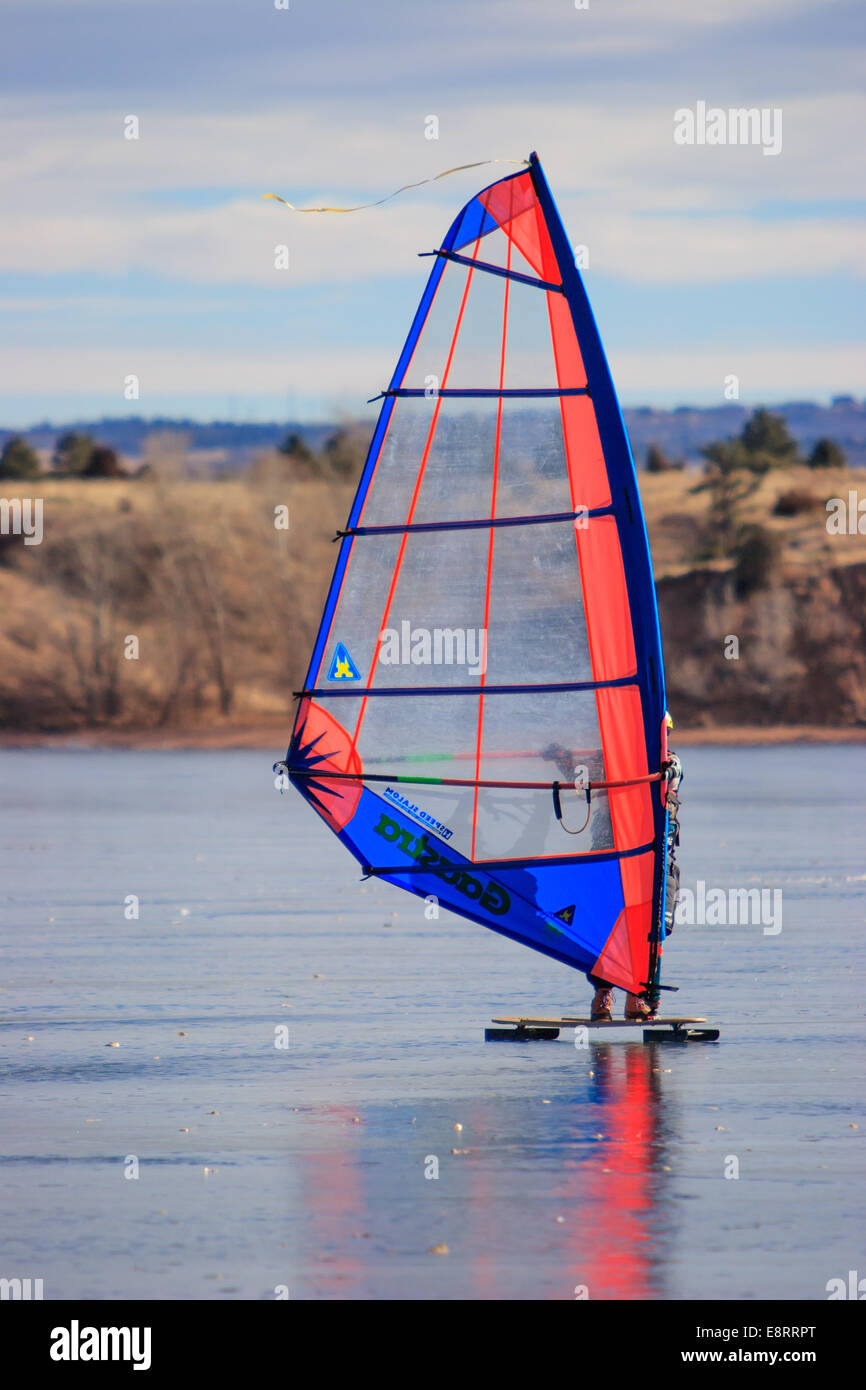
(274, 737)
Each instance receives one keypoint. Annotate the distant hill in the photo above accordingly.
(228, 445)
(681, 433)
(235, 442)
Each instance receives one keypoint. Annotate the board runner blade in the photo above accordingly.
(520, 1034)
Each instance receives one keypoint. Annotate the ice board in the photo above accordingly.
(531, 1029)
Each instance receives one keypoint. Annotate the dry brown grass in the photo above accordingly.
(677, 517)
(226, 607)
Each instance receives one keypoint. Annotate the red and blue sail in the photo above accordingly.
(483, 716)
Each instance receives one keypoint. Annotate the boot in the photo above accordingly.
(637, 1008)
(602, 1005)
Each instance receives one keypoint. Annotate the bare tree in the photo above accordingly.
(93, 638)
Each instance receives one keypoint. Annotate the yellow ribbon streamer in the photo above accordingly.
(361, 206)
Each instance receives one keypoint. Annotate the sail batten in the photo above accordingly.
(475, 522)
(480, 391)
(322, 692)
(504, 271)
(492, 610)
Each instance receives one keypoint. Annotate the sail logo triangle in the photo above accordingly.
(342, 666)
(566, 914)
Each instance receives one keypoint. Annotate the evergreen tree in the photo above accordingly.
(827, 454)
(294, 447)
(730, 479)
(657, 460)
(72, 451)
(345, 452)
(766, 438)
(102, 463)
(757, 556)
(18, 459)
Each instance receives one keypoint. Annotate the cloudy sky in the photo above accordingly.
(155, 256)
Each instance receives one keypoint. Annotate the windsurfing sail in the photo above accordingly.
(482, 720)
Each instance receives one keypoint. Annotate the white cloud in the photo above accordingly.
(35, 371)
(773, 371)
(81, 198)
(780, 372)
(327, 103)
(501, 13)
(671, 250)
(235, 244)
(618, 151)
